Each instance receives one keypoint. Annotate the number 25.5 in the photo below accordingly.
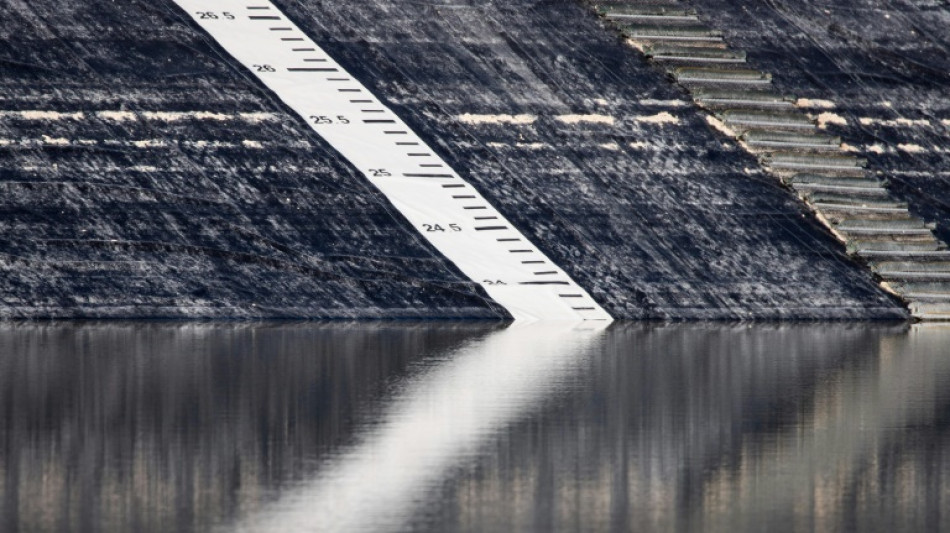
(323, 119)
(211, 15)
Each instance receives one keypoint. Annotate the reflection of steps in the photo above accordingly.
(857, 430)
(899, 247)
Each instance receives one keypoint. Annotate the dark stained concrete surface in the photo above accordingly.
(886, 65)
(124, 210)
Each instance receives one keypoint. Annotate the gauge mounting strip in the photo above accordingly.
(445, 209)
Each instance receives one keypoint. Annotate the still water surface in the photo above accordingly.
(474, 427)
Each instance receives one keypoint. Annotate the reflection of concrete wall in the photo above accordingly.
(731, 429)
(169, 427)
(174, 427)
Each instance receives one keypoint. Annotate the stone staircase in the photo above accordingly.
(876, 227)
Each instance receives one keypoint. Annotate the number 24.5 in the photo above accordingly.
(438, 227)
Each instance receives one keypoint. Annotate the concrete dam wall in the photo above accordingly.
(146, 172)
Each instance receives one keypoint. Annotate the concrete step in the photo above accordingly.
(889, 240)
(824, 163)
(905, 276)
(646, 13)
(939, 315)
(907, 223)
(772, 140)
(929, 307)
(730, 99)
(830, 198)
(666, 32)
(928, 296)
(816, 181)
(905, 256)
(871, 217)
(923, 244)
(922, 267)
(694, 54)
(884, 233)
(932, 289)
(809, 159)
(812, 189)
(745, 119)
(720, 76)
(835, 213)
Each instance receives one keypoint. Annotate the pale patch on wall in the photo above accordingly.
(636, 44)
(43, 115)
(720, 125)
(46, 140)
(531, 146)
(519, 120)
(116, 116)
(659, 118)
(594, 119)
(664, 103)
(58, 141)
(815, 103)
(867, 121)
(826, 118)
(125, 116)
(149, 143)
(167, 116)
(911, 148)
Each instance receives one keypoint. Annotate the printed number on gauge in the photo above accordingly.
(494, 282)
(439, 227)
(211, 15)
(264, 68)
(323, 119)
(380, 172)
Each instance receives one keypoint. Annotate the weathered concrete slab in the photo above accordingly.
(130, 209)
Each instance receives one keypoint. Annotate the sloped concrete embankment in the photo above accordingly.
(121, 207)
(857, 204)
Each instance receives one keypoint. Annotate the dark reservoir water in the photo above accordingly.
(473, 427)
